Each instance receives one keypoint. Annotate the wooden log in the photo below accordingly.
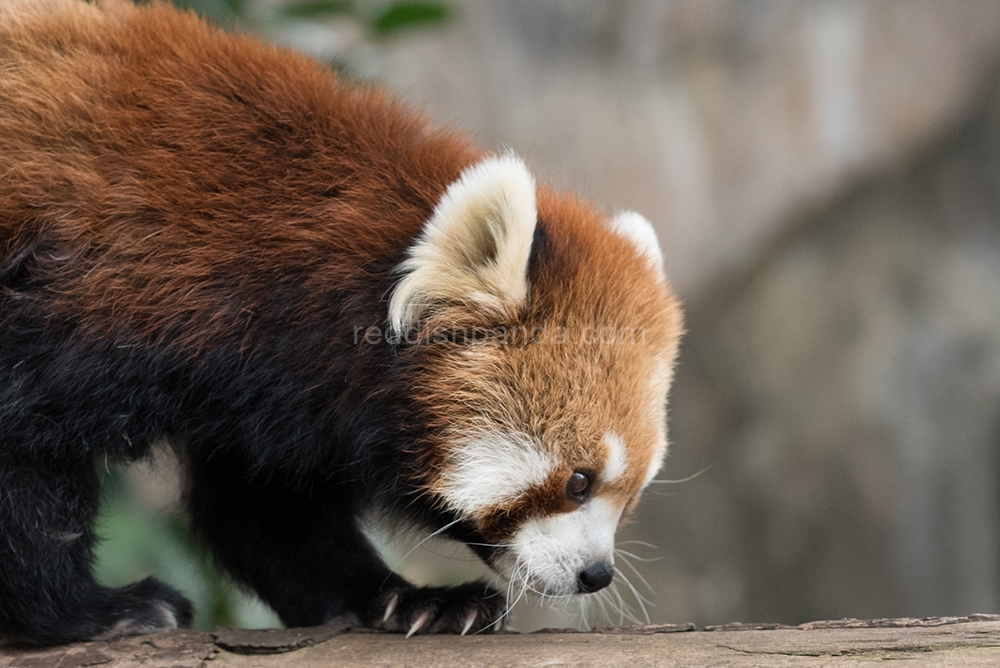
(937, 642)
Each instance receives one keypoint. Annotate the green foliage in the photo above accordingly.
(378, 20)
(400, 15)
(236, 6)
(136, 542)
(221, 12)
(319, 9)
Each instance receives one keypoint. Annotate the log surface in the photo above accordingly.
(937, 642)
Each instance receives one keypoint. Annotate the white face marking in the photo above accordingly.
(550, 552)
(659, 381)
(640, 232)
(654, 464)
(617, 460)
(489, 468)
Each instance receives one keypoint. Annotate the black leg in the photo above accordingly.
(299, 547)
(47, 592)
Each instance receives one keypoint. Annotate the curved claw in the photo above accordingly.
(470, 619)
(419, 622)
(390, 607)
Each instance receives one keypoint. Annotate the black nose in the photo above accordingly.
(596, 576)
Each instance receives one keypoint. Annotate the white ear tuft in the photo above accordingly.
(474, 248)
(639, 231)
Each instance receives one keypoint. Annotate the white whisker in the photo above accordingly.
(622, 554)
(640, 543)
(600, 599)
(687, 479)
(432, 535)
(637, 557)
(623, 611)
(638, 597)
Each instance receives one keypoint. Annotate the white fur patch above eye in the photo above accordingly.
(474, 248)
(617, 461)
(640, 232)
(487, 469)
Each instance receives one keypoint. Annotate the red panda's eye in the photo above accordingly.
(578, 487)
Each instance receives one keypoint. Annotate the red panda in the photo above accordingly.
(328, 305)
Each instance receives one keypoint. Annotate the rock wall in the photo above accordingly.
(846, 394)
(722, 121)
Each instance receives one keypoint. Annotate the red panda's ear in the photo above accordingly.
(475, 247)
(640, 232)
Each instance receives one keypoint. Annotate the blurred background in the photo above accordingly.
(825, 181)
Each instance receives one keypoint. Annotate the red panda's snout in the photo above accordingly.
(546, 335)
(551, 524)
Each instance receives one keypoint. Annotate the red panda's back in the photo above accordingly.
(155, 166)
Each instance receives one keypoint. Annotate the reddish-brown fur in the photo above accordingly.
(208, 227)
(128, 119)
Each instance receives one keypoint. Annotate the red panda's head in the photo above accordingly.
(550, 334)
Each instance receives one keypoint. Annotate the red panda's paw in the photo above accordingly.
(148, 606)
(470, 608)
